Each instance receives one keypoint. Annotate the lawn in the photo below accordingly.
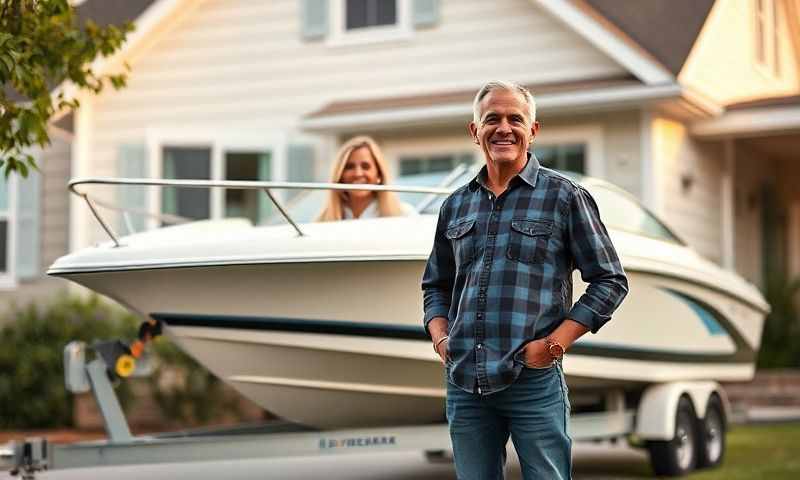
(754, 452)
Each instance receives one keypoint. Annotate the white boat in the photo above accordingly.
(324, 329)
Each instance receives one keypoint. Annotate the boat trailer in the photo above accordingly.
(277, 439)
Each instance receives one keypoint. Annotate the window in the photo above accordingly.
(252, 204)
(767, 33)
(355, 22)
(568, 157)
(370, 13)
(184, 163)
(417, 165)
(5, 230)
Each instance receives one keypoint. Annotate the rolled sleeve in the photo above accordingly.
(437, 281)
(597, 260)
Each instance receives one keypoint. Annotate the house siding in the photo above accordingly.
(722, 64)
(244, 66)
(688, 176)
(54, 163)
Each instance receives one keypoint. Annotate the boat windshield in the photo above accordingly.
(618, 209)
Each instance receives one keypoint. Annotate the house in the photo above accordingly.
(693, 106)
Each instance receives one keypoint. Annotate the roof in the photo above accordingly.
(459, 97)
(103, 13)
(667, 29)
(784, 101)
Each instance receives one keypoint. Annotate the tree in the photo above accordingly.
(42, 45)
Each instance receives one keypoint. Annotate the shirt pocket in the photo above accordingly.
(462, 238)
(528, 240)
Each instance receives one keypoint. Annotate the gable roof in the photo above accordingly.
(667, 29)
(108, 12)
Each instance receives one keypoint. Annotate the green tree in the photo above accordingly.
(42, 45)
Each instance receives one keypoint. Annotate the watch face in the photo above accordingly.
(555, 350)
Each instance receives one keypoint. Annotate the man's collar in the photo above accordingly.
(529, 173)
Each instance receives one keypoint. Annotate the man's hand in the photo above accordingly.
(438, 329)
(536, 354)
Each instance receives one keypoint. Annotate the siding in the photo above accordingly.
(54, 163)
(693, 211)
(722, 64)
(239, 65)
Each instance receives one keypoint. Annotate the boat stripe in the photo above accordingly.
(744, 353)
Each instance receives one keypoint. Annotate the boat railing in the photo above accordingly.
(265, 186)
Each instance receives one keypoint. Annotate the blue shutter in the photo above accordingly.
(426, 13)
(314, 19)
(132, 163)
(301, 165)
(28, 214)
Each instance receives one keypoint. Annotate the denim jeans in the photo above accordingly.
(534, 410)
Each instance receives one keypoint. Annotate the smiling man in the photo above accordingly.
(498, 294)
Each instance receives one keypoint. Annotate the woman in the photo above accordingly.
(360, 161)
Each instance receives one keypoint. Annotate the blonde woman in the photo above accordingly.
(360, 161)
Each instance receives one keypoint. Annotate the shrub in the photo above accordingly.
(780, 344)
(32, 340)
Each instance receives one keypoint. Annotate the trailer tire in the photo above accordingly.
(439, 456)
(678, 456)
(712, 435)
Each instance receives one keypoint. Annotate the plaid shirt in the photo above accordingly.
(501, 272)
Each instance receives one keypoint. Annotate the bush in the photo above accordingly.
(780, 344)
(32, 340)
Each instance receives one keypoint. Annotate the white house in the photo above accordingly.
(691, 105)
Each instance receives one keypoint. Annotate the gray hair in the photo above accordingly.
(501, 85)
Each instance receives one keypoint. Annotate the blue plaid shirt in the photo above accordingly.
(501, 271)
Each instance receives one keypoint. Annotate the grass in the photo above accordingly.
(754, 452)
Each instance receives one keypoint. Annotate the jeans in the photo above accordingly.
(534, 410)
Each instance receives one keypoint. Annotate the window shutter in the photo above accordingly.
(314, 19)
(426, 13)
(132, 163)
(28, 246)
(301, 165)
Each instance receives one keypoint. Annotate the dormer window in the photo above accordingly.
(351, 22)
(370, 13)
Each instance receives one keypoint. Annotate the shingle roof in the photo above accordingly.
(667, 29)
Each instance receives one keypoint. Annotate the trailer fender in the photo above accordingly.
(655, 415)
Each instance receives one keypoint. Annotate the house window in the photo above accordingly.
(5, 230)
(568, 157)
(370, 13)
(423, 164)
(252, 204)
(186, 163)
(767, 33)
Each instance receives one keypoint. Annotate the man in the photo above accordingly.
(498, 294)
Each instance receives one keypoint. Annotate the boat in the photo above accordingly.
(321, 323)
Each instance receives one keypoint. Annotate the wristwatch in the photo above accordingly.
(555, 349)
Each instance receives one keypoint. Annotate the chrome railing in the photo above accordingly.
(266, 186)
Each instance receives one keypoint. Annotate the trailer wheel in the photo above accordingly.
(439, 456)
(677, 456)
(712, 435)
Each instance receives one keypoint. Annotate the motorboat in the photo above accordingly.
(321, 323)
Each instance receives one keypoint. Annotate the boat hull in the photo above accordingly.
(340, 343)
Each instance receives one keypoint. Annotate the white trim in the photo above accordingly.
(8, 279)
(649, 182)
(728, 207)
(80, 165)
(339, 36)
(219, 142)
(589, 135)
(637, 61)
(769, 68)
(750, 123)
(586, 100)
